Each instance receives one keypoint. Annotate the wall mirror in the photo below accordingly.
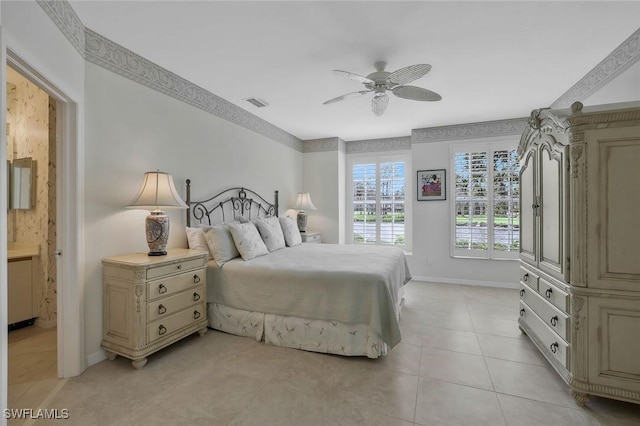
(23, 174)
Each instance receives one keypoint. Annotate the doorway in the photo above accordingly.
(31, 134)
(68, 242)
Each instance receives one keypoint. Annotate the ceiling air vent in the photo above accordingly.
(257, 102)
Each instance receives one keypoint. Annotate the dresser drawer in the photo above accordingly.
(312, 238)
(553, 294)
(557, 320)
(552, 345)
(529, 278)
(185, 265)
(174, 284)
(164, 327)
(167, 306)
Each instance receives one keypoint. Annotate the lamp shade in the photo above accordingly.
(303, 202)
(157, 192)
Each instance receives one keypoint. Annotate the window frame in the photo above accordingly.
(378, 158)
(490, 147)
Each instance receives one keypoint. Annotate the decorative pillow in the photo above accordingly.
(271, 233)
(247, 239)
(291, 232)
(196, 240)
(220, 243)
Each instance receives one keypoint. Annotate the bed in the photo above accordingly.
(331, 298)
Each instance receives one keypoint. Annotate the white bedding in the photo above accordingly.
(352, 284)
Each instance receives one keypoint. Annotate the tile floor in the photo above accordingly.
(462, 361)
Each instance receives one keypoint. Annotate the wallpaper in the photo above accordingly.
(28, 115)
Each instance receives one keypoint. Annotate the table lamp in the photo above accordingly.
(303, 202)
(157, 193)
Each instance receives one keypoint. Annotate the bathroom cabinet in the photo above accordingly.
(21, 292)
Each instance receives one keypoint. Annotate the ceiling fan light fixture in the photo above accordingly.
(379, 104)
(396, 82)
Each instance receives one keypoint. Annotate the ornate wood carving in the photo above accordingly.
(576, 153)
(579, 361)
(139, 290)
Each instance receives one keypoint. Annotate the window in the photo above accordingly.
(486, 222)
(377, 211)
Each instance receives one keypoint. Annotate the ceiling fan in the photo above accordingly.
(380, 81)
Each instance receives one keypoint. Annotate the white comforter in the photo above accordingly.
(353, 284)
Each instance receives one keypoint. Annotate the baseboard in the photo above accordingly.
(461, 281)
(96, 357)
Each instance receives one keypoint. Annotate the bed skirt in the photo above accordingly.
(332, 337)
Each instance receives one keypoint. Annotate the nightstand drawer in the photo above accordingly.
(166, 326)
(311, 238)
(175, 284)
(163, 308)
(161, 271)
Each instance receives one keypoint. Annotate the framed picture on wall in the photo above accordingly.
(432, 185)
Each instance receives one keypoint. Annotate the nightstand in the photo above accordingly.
(311, 237)
(150, 302)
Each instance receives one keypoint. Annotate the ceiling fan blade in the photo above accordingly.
(408, 74)
(416, 93)
(379, 104)
(353, 76)
(347, 96)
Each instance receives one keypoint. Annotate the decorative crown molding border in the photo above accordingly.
(379, 145)
(353, 147)
(617, 62)
(512, 126)
(322, 145)
(103, 52)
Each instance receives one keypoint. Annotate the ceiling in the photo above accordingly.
(491, 60)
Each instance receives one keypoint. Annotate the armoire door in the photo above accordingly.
(528, 209)
(552, 211)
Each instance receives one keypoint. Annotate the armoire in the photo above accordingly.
(580, 246)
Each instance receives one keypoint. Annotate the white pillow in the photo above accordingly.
(291, 232)
(220, 243)
(247, 239)
(196, 240)
(271, 233)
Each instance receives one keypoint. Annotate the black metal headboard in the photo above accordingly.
(229, 205)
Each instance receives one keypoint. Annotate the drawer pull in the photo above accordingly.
(179, 267)
(162, 330)
(548, 293)
(161, 309)
(554, 321)
(522, 312)
(162, 289)
(196, 314)
(525, 277)
(196, 297)
(196, 279)
(554, 347)
(521, 292)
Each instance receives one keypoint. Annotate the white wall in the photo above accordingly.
(431, 258)
(324, 181)
(28, 32)
(131, 129)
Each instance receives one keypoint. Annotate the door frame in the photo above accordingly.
(69, 220)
